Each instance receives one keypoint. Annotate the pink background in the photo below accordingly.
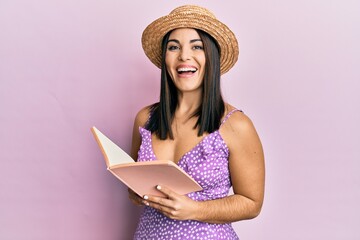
(68, 65)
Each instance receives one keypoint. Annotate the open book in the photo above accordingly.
(143, 177)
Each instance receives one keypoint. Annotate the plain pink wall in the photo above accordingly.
(68, 65)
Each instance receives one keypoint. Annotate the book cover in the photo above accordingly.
(143, 177)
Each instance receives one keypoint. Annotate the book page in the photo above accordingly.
(113, 154)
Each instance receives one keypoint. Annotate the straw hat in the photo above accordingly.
(190, 16)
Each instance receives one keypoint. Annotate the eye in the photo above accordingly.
(173, 47)
(198, 47)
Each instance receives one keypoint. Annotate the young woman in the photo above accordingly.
(211, 140)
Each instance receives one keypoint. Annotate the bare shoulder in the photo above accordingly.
(238, 127)
(142, 116)
(140, 120)
(246, 158)
(237, 121)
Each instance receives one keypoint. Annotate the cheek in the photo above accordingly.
(202, 63)
(168, 70)
(169, 57)
(203, 60)
(169, 63)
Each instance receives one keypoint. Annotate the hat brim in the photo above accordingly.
(155, 32)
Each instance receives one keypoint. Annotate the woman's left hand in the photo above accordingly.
(173, 205)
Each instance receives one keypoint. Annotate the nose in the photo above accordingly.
(185, 54)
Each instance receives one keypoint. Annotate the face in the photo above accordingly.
(185, 59)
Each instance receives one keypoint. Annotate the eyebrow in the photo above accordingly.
(177, 41)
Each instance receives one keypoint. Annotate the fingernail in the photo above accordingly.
(146, 197)
(158, 187)
(146, 203)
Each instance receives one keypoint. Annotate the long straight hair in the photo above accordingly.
(212, 106)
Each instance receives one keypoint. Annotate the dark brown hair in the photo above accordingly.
(212, 106)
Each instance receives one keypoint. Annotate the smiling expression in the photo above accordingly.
(185, 59)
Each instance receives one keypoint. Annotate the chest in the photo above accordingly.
(206, 161)
(185, 139)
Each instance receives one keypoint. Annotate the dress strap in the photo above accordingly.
(228, 115)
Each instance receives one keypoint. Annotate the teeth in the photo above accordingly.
(186, 69)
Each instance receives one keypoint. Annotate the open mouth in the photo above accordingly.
(186, 70)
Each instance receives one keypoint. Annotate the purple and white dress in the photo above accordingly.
(208, 164)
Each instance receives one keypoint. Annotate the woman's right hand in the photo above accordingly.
(135, 199)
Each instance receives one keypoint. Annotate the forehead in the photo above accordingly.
(184, 33)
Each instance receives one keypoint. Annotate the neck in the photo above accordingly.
(188, 103)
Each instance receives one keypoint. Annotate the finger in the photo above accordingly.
(167, 211)
(167, 192)
(163, 209)
(162, 201)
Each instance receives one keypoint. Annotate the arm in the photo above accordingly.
(247, 171)
(140, 120)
